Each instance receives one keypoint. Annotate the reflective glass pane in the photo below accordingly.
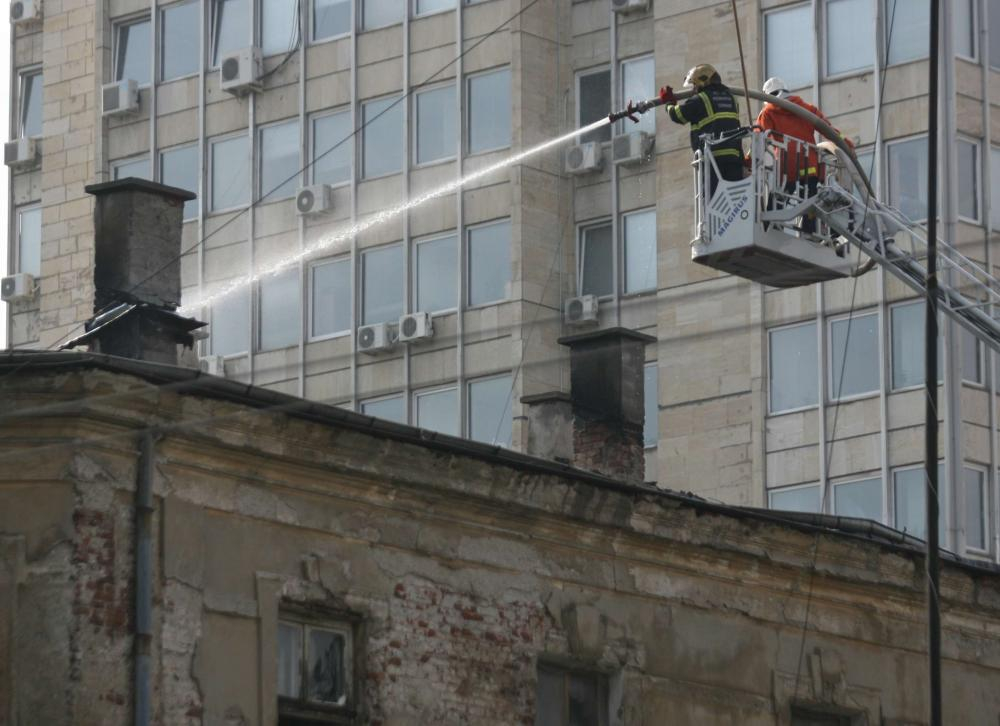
(231, 27)
(331, 297)
(651, 409)
(383, 137)
(907, 168)
(793, 359)
(908, 325)
(382, 280)
(438, 411)
(489, 263)
(230, 172)
(597, 261)
(289, 660)
(640, 251)
(867, 161)
(584, 700)
(279, 160)
(433, 6)
(436, 270)
(326, 667)
(799, 499)
(593, 103)
(850, 36)
(975, 506)
(790, 48)
(862, 499)
(139, 168)
(490, 410)
(279, 28)
(31, 105)
(995, 177)
(390, 409)
(910, 24)
(379, 13)
(331, 18)
(179, 168)
(229, 332)
(331, 148)
(968, 179)
(639, 84)
(964, 28)
(993, 8)
(972, 357)
(132, 52)
(280, 303)
(489, 111)
(436, 124)
(854, 358)
(910, 503)
(178, 45)
(29, 253)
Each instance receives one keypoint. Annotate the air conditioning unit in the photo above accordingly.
(631, 148)
(581, 310)
(120, 98)
(24, 11)
(374, 338)
(213, 365)
(240, 71)
(415, 326)
(629, 6)
(20, 286)
(315, 199)
(584, 158)
(20, 153)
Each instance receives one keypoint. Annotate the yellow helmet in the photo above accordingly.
(701, 75)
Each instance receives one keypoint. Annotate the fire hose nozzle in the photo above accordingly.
(633, 110)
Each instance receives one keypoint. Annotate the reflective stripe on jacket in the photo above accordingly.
(711, 112)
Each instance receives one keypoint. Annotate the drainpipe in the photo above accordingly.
(143, 578)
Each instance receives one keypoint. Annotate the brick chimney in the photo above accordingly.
(137, 280)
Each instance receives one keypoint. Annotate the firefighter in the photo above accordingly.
(801, 164)
(711, 112)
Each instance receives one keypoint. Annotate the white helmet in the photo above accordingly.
(774, 86)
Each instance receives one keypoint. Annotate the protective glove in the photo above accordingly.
(667, 95)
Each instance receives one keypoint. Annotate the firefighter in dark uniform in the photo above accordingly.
(711, 112)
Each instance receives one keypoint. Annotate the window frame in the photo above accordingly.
(210, 165)
(415, 271)
(886, 146)
(974, 19)
(884, 50)
(344, 624)
(984, 470)
(989, 55)
(160, 45)
(362, 128)
(467, 120)
(581, 255)
(982, 355)
(944, 507)
(349, 142)
(22, 74)
(622, 62)
(338, 259)
(159, 171)
(212, 307)
(258, 313)
(360, 303)
(401, 395)
(564, 671)
(763, 35)
(359, 13)
(311, 23)
(592, 70)
(655, 365)
(829, 364)
(213, 40)
(467, 405)
(116, 164)
(415, 120)
(889, 355)
(116, 27)
(258, 196)
(416, 393)
(770, 331)
(823, 47)
(14, 251)
(467, 271)
(622, 258)
(795, 487)
(977, 176)
(414, 14)
(857, 478)
(257, 13)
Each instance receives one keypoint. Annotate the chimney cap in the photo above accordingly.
(133, 183)
(617, 332)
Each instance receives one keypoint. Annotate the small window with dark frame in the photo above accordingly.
(571, 697)
(802, 716)
(314, 672)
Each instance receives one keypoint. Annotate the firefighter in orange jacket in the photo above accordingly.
(801, 163)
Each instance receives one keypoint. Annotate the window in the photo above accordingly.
(436, 121)
(425, 7)
(651, 406)
(907, 167)
(489, 262)
(382, 281)
(137, 166)
(593, 102)
(993, 11)
(382, 137)
(908, 326)
(638, 84)
(910, 502)
(229, 329)
(132, 57)
(331, 148)
(639, 231)
(850, 45)
(437, 410)
(964, 27)
(490, 410)
(390, 409)
(789, 45)
(230, 172)
(861, 499)
(230, 27)
(330, 18)
(854, 356)
(279, 26)
(314, 667)
(279, 160)
(380, 13)
(29, 241)
(331, 298)
(435, 274)
(597, 261)
(793, 360)
(968, 179)
(995, 180)
(972, 357)
(570, 698)
(975, 509)
(489, 111)
(795, 499)
(30, 98)
(910, 23)
(866, 159)
(802, 716)
(179, 168)
(179, 50)
(280, 302)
